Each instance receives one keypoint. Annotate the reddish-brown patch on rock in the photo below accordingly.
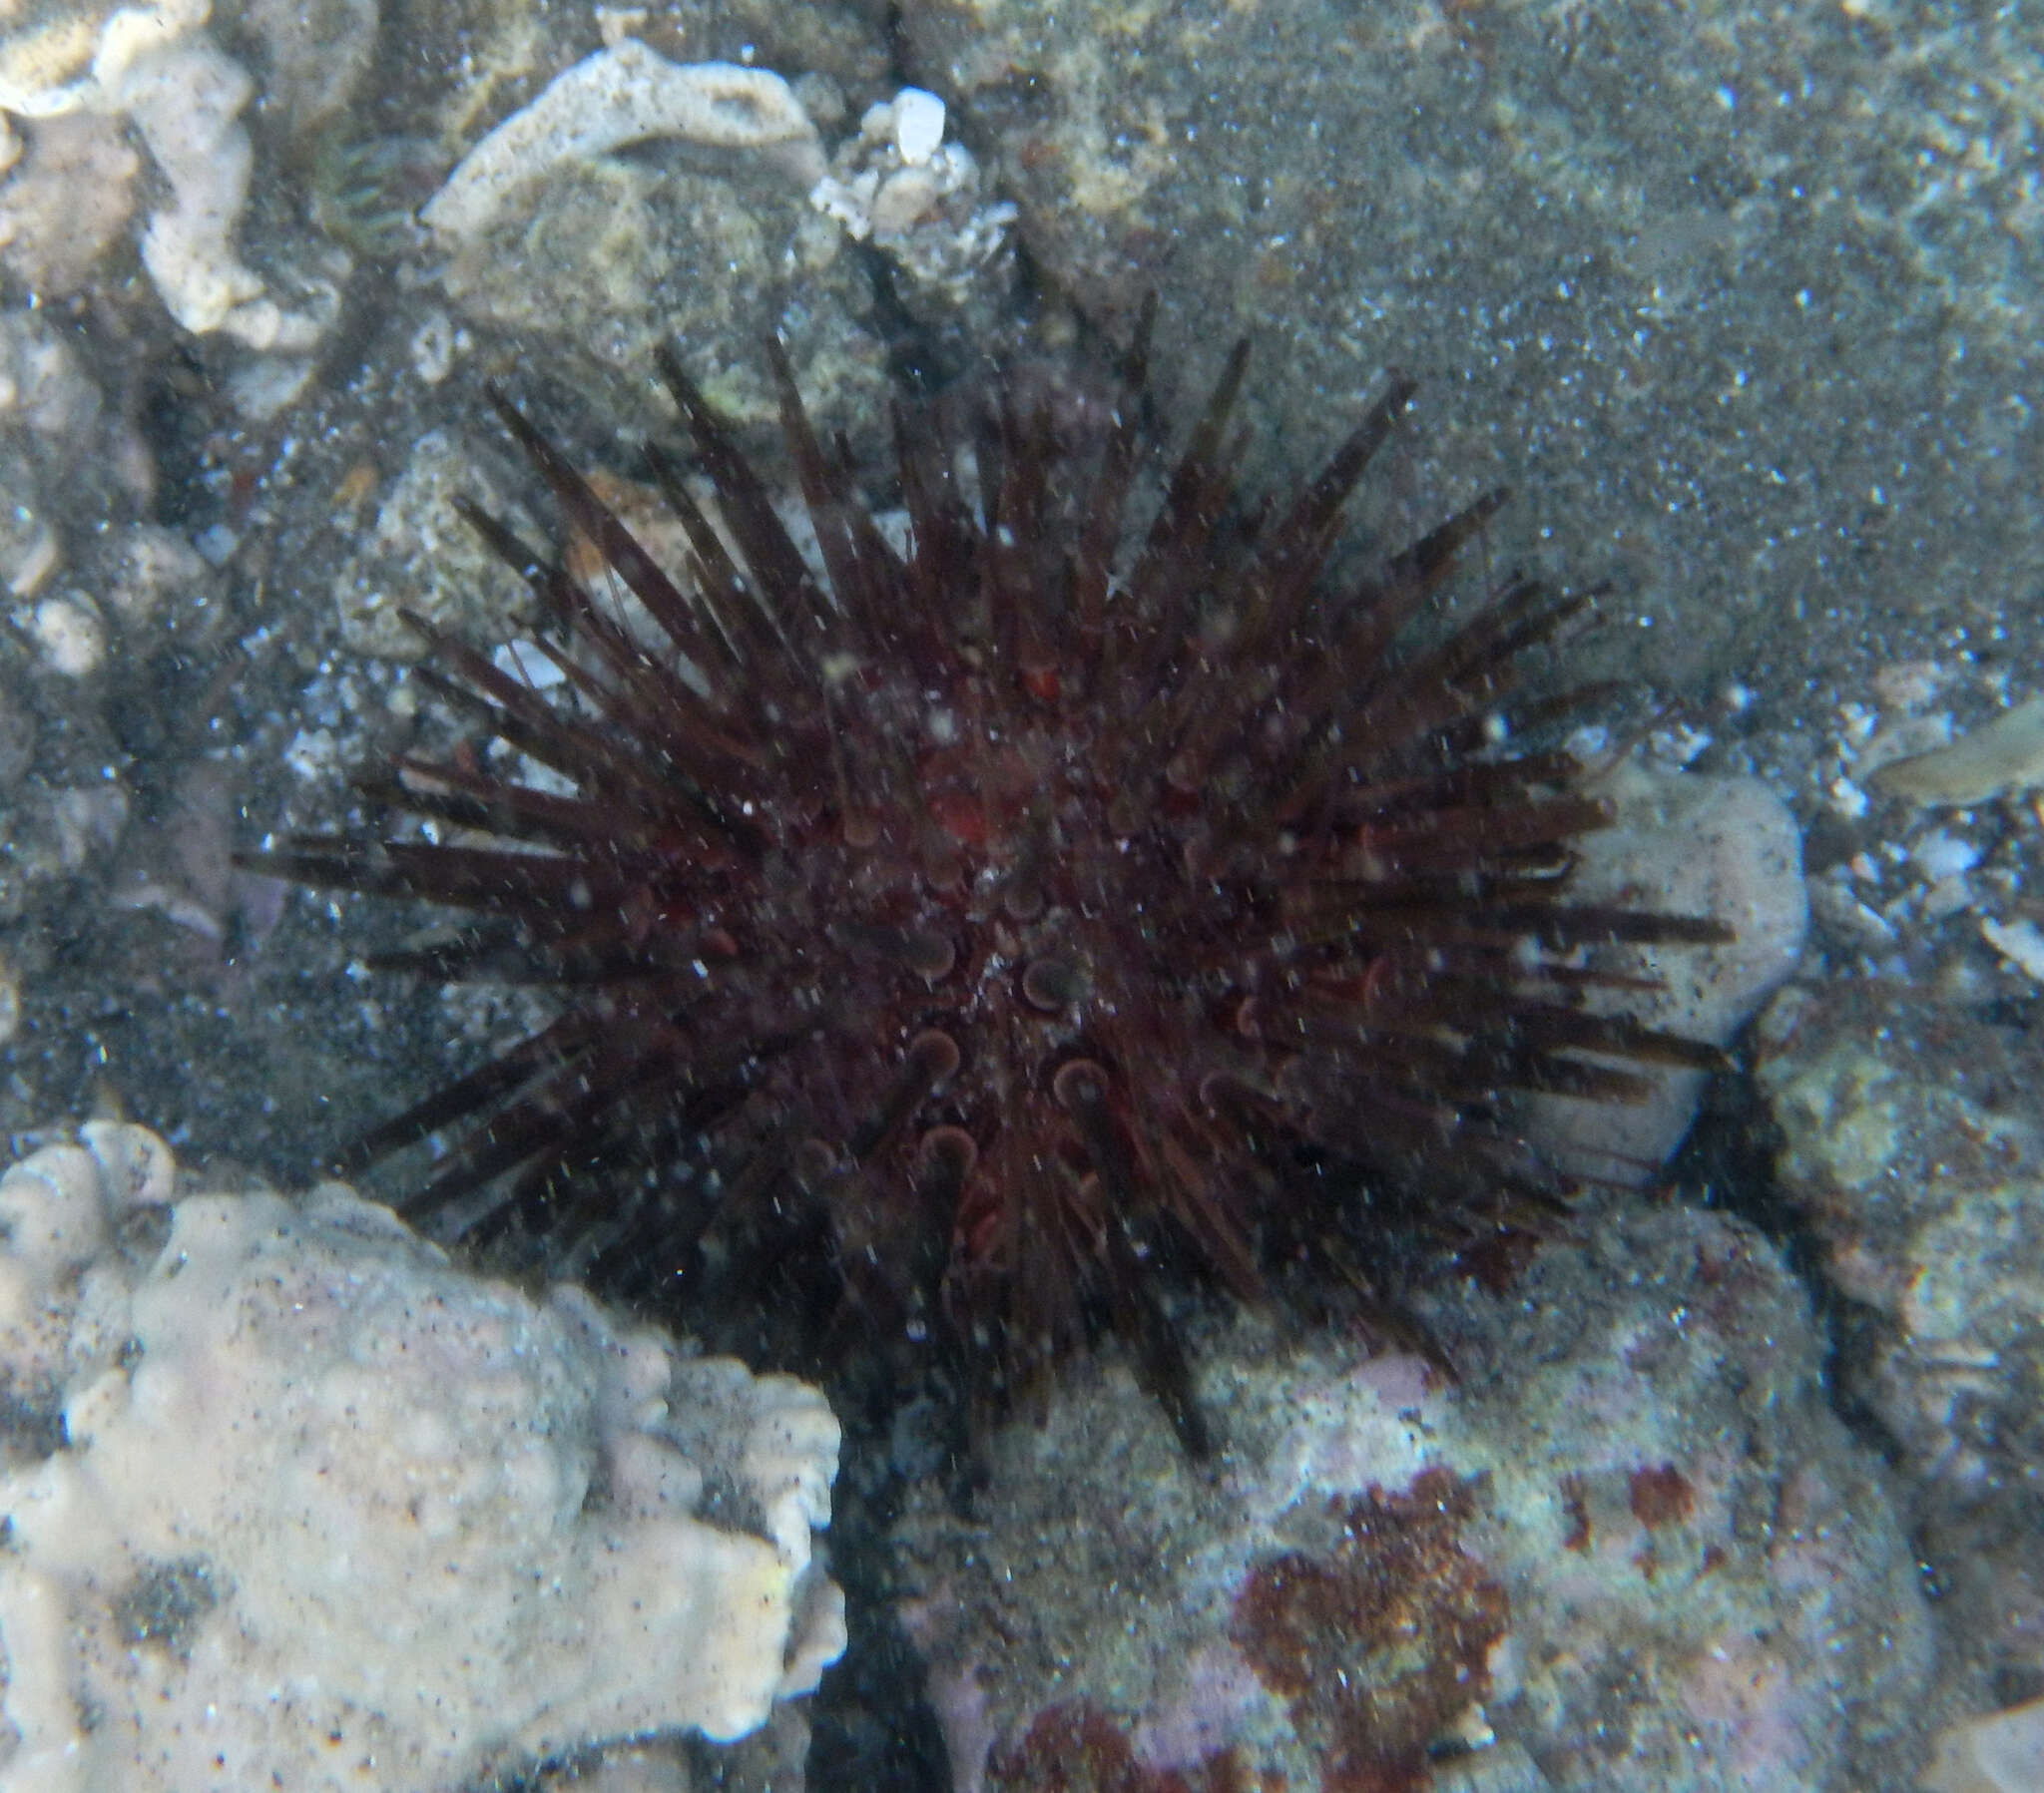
(1076, 1747)
(1378, 1645)
(1661, 1497)
(1575, 1502)
(1499, 1262)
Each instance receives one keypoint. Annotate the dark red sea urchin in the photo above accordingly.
(1016, 915)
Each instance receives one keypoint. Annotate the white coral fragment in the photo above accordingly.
(2006, 754)
(619, 96)
(293, 1501)
(186, 100)
(154, 65)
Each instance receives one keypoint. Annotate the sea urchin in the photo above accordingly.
(1015, 913)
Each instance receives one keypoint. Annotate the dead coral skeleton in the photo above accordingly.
(265, 1444)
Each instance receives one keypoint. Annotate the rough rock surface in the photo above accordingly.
(1632, 1548)
(1911, 1146)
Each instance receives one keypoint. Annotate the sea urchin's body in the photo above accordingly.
(1015, 913)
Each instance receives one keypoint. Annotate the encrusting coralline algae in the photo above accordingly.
(289, 1499)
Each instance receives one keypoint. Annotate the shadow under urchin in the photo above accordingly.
(973, 942)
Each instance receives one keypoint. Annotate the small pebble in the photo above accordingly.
(2020, 942)
(918, 125)
(72, 638)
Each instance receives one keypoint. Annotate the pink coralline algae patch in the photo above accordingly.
(1221, 1692)
(1077, 1748)
(955, 1695)
(1743, 1695)
(1366, 1427)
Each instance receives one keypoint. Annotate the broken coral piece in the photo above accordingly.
(289, 1494)
(2006, 754)
(2000, 1753)
(622, 95)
